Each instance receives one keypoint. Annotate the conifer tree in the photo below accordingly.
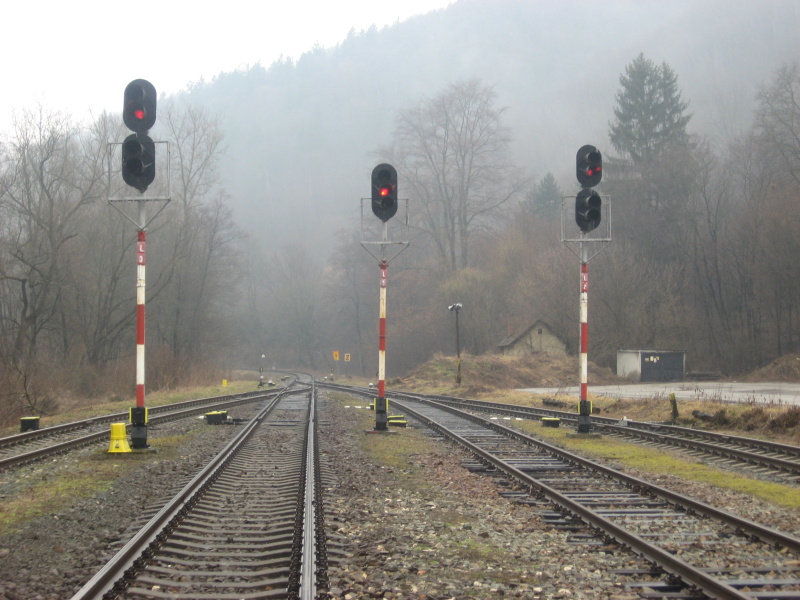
(650, 113)
(545, 198)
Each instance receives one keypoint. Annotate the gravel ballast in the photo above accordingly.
(425, 529)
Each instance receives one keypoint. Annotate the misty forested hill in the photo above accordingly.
(302, 137)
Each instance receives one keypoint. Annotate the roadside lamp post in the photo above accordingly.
(455, 308)
(261, 370)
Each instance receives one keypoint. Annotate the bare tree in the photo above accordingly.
(195, 243)
(97, 305)
(48, 178)
(778, 119)
(350, 304)
(293, 294)
(452, 151)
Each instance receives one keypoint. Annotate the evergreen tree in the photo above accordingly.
(650, 113)
(545, 199)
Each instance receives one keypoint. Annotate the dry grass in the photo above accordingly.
(494, 378)
(786, 368)
(481, 375)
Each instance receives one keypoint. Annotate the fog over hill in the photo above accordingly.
(302, 137)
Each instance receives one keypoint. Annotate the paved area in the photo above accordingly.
(779, 393)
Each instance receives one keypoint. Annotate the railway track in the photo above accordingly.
(30, 446)
(781, 462)
(713, 553)
(248, 526)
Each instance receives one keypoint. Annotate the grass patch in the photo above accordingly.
(474, 550)
(396, 449)
(54, 493)
(40, 491)
(453, 518)
(657, 461)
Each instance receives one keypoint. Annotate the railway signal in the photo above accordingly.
(384, 191)
(588, 213)
(384, 206)
(589, 166)
(138, 150)
(139, 109)
(139, 171)
(588, 204)
(138, 161)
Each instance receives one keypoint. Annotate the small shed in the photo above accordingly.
(651, 365)
(537, 338)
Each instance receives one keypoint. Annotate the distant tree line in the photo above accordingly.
(704, 252)
(67, 262)
(704, 256)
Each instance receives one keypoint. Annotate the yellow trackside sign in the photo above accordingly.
(335, 355)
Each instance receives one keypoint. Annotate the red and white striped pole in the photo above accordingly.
(584, 406)
(381, 417)
(141, 252)
(139, 414)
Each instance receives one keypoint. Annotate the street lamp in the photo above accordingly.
(455, 308)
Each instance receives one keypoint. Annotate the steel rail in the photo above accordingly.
(665, 560)
(19, 438)
(28, 436)
(692, 438)
(765, 534)
(130, 557)
(172, 415)
(308, 570)
(779, 464)
(682, 437)
(766, 445)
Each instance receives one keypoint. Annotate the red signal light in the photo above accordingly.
(139, 106)
(384, 191)
(589, 166)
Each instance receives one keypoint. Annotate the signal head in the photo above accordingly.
(139, 108)
(384, 191)
(138, 161)
(589, 166)
(588, 210)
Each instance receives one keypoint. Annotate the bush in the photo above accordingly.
(753, 419)
(788, 419)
